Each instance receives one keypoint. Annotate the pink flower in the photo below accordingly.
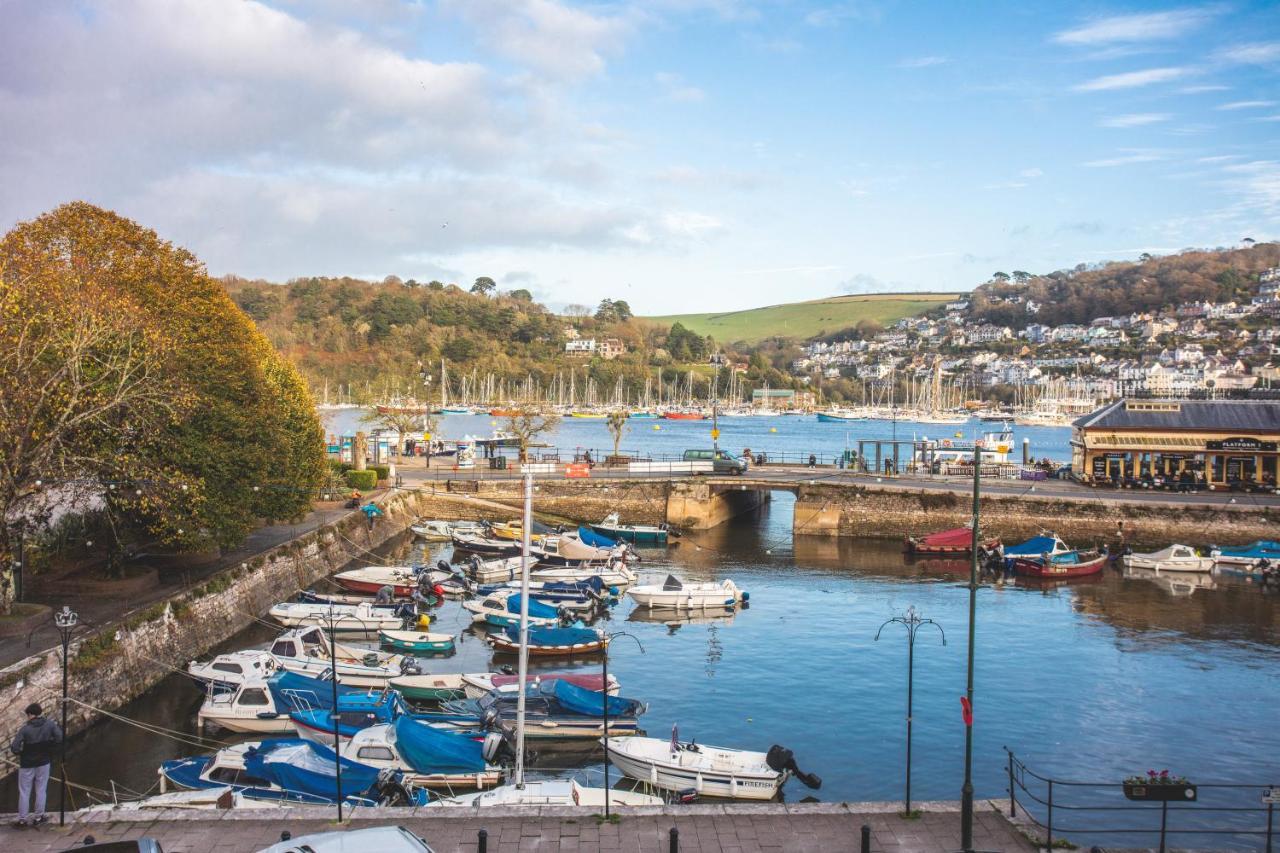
(1164, 774)
(1151, 773)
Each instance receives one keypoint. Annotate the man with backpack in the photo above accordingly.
(34, 745)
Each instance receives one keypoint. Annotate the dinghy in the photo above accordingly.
(637, 534)
(551, 642)
(711, 771)
(680, 595)
(502, 609)
(479, 684)
(957, 540)
(547, 792)
(430, 687)
(363, 618)
(417, 642)
(1175, 558)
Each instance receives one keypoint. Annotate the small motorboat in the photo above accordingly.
(417, 642)
(437, 530)
(586, 595)
(502, 609)
(233, 668)
(1068, 564)
(682, 595)
(497, 570)
(479, 684)
(430, 687)
(551, 642)
(476, 543)
(307, 650)
(1247, 555)
(637, 534)
(363, 618)
(957, 540)
(354, 714)
(429, 757)
(403, 580)
(1175, 558)
(556, 710)
(711, 771)
(263, 706)
(312, 597)
(1036, 546)
(615, 574)
(548, 792)
(568, 550)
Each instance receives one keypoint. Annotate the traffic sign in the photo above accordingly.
(1271, 796)
(715, 433)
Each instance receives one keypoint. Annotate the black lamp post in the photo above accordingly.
(966, 790)
(331, 622)
(65, 620)
(604, 705)
(912, 621)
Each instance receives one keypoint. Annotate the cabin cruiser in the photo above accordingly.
(230, 670)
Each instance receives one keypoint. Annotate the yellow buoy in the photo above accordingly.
(424, 621)
(657, 426)
(773, 429)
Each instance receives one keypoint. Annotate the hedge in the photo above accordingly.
(383, 471)
(365, 480)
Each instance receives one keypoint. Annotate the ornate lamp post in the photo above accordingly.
(604, 704)
(912, 622)
(65, 620)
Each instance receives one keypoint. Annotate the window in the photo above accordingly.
(253, 696)
(283, 648)
(377, 753)
(228, 667)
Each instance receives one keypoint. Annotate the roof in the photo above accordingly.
(1242, 416)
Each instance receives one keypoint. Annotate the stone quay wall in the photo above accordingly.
(636, 501)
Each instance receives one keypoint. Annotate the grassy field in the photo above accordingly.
(806, 319)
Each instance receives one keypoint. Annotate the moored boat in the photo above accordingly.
(711, 771)
(1175, 558)
(363, 618)
(477, 685)
(682, 595)
(429, 687)
(438, 530)
(1247, 555)
(1036, 546)
(1070, 564)
(551, 642)
(956, 540)
(637, 534)
(403, 580)
(417, 642)
(548, 792)
(502, 609)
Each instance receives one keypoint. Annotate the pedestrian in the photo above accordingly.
(34, 745)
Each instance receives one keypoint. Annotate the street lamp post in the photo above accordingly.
(65, 620)
(912, 621)
(330, 620)
(966, 790)
(604, 704)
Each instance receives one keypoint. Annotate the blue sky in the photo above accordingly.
(680, 154)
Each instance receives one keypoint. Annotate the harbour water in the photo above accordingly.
(1092, 681)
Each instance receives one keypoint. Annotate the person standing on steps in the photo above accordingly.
(34, 745)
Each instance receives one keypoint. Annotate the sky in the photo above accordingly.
(683, 155)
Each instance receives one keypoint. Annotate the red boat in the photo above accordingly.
(684, 416)
(504, 413)
(1070, 564)
(957, 540)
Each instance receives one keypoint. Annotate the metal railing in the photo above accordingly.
(1093, 811)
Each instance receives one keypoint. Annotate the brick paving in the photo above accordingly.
(771, 828)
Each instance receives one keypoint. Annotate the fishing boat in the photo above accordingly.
(307, 650)
(233, 668)
(548, 792)
(417, 642)
(556, 710)
(551, 642)
(681, 595)
(437, 530)
(1045, 543)
(480, 684)
(290, 770)
(1175, 558)
(683, 415)
(363, 618)
(638, 534)
(1071, 564)
(427, 756)
(430, 687)
(478, 544)
(711, 771)
(502, 609)
(403, 580)
(956, 540)
(614, 575)
(1247, 555)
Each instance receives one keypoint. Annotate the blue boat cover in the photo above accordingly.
(590, 703)
(1034, 546)
(537, 609)
(304, 767)
(594, 539)
(431, 750)
(555, 636)
(592, 583)
(293, 691)
(1262, 548)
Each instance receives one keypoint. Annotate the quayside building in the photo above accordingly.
(1215, 444)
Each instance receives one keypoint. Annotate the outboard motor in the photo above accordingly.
(507, 669)
(490, 720)
(370, 659)
(409, 666)
(780, 758)
(497, 748)
(392, 789)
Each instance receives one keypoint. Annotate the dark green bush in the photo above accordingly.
(383, 471)
(365, 480)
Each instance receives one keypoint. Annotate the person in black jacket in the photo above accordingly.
(34, 745)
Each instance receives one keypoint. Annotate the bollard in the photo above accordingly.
(866, 839)
(286, 836)
(675, 840)
(482, 841)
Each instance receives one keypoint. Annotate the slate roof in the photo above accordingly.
(1243, 416)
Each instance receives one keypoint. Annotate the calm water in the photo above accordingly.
(1088, 681)
(791, 433)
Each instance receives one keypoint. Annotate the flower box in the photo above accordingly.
(1161, 791)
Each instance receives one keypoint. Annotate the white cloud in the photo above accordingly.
(1258, 53)
(1030, 173)
(801, 270)
(1218, 158)
(1132, 79)
(1195, 90)
(1153, 26)
(1267, 118)
(1258, 182)
(923, 62)
(1009, 185)
(838, 13)
(1245, 105)
(1134, 119)
(677, 90)
(1124, 160)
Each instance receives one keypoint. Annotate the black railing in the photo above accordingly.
(1093, 811)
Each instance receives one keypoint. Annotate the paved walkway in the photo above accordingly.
(775, 828)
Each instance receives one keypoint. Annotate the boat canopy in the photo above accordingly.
(537, 609)
(594, 583)
(1036, 545)
(293, 691)
(956, 537)
(431, 750)
(672, 584)
(555, 636)
(1262, 548)
(306, 767)
(590, 703)
(594, 539)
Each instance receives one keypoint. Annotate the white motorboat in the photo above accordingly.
(497, 570)
(480, 684)
(1175, 558)
(615, 574)
(306, 650)
(203, 799)
(363, 618)
(548, 792)
(251, 708)
(233, 668)
(712, 771)
(380, 746)
(676, 594)
(493, 609)
(568, 550)
(438, 530)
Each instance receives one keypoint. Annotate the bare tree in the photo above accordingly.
(617, 424)
(526, 425)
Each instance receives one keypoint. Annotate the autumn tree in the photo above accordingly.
(527, 424)
(617, 424)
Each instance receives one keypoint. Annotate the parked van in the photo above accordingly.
(722, 461)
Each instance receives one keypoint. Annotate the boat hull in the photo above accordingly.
(1035, 568)
(669, 776)
(501, 643)
(636, 536)
(417, 642)
(429, 688)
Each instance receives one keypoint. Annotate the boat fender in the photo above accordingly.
(613, 591)
(746, 596)
(438, 590)
(268, 715)
(781, 759)
(409, 666)
(506, 669)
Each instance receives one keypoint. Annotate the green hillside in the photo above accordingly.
(806, 319)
